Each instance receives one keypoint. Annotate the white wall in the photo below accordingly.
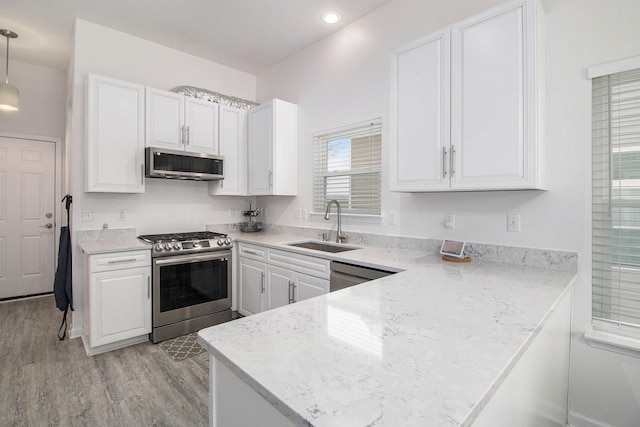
(166, 206)
(42, 100)
(345, 78)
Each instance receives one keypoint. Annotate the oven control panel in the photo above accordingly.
(191, 246)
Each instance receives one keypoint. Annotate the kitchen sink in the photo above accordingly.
(323, 246)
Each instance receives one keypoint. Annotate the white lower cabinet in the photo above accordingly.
(117, 300)
(271, 278)
(251, 289)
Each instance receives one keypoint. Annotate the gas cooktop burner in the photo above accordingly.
(190, 242)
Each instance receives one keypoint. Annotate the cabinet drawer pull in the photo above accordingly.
(148, 287)
(262, 284)
(119, 261)
(250, 252)
(187, 135)
(141, 174)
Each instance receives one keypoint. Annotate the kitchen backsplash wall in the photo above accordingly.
(542, 258)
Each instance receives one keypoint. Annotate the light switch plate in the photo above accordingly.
(513, 223)
(392, 218)
(86, 215)
(121, 215)
(450, 220)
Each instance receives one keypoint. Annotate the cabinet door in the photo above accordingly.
(285, 149)
(164, 119)
(306, 287)
(232, 144)
(120, 305)
(201, 126)
(115, 136)
(252, 286)
(420, 116)
(261, 149)
(279, 287)
(491, 147)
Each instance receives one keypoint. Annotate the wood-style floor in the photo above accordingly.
(46, 382)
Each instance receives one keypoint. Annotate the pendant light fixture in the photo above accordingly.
(9, 94)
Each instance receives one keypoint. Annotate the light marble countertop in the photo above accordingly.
(426, 346)
(105, 246)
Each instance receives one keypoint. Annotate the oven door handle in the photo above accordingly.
(190, 258)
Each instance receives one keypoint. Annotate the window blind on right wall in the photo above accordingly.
(616, 201)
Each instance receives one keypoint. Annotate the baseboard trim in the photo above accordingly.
(578, 420)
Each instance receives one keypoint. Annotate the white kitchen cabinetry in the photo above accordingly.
(178, 122)
(232, 142)
(252, 286)
(468, 105)
(117, 300)
(273, 161)
(115, 136)
(285, 286)
(271, 278)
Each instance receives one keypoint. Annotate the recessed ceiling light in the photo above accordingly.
(331, 17)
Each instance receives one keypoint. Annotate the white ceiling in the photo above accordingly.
(249, 35)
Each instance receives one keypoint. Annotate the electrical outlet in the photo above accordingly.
(297, 213)
(391, 218)
(513, 223)
(232, 212)
(121, 215)
(86, 215)
(450, 220)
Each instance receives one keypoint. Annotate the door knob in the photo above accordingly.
(49, 225)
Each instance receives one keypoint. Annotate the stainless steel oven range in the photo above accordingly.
(191, 278)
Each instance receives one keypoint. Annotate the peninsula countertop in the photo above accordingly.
(426, 346)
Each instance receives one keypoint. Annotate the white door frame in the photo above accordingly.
(57, 185)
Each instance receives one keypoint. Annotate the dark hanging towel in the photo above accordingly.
(62, 289)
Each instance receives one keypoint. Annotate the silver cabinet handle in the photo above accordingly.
(453, 164)
(262, 283)
(290, 292)
(250, 252)
(148, 287)
(120, 261)
(444, 162)
(141, 174)
(48, 225)
(187, 135)
(182, 134)
(294, 292)
(270, 178)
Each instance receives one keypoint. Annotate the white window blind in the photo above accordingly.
(347, 164)
(616, 201)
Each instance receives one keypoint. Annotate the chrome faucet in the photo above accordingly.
(339, 236)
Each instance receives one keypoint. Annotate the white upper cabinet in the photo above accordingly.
(273, 161)
(178, 122)
(468, 105)
(115, 136)
(420, 107)
(232, 140)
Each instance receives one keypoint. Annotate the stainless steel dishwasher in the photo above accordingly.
(344, 275)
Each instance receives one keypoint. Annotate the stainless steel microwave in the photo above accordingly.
(174, 164)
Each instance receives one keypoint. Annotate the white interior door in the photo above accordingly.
(27, 217)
